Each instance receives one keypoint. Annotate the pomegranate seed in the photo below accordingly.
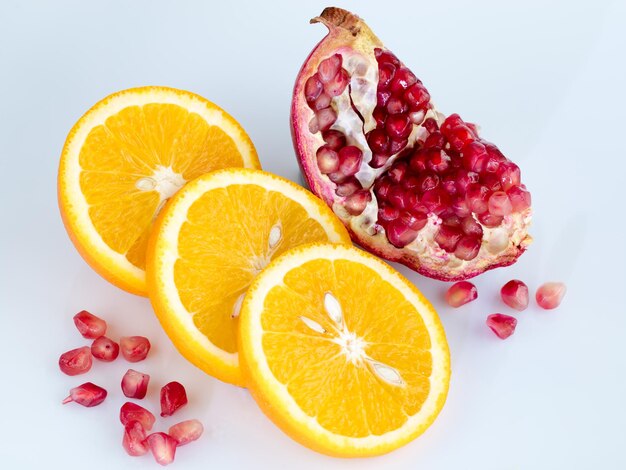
(471, 227)
(459, 136)
(335, 140)
(386, 56)
(337, 177)
(325, 118)
(461, 293)
(515, 294)
(396, 145)
(490, 181)
(378, 160)
(313, 88)
(477, 197)
(474, 156)
(357, 202)
(415, 221)
(502, 325)
(89, 326)
(500, 204)
(490, 220)
(417, 96)
(396, 173)
(382, 97)
(399, 235)
(134, 348)
(411, 182)
(76, 362)
(163, 447)
(349, 187)
(378, 141)
(135, 384)
(396, 196)
(385, 75)
(173, 396)
(87, 394)
(133, 412)
(396, 106)
(417, 117)
(509, 174)
(448, 237)
(382, 187)
(436, 200)
(520, 198)
(451, 220)
(550, 294)
(322, 102)
(314, 126)
(186, 431)
(328, 68)
(337, 84)
(327, 159)
(105, 349)
(387, 212)
(438, 161)
(380, 116)
(434, 140)
(350, 159)
(451, 121)
(460, 208)
(430, 125)
(134, 441)
(402, 79)
(464, 178)
(427, 181)
(468, 247)
(418, 161)
(398, 126)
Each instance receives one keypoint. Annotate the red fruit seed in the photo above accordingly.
(89, 325)
(550, 294)
(186, 431)
(134, 441)
(135, 384)
(515, 294)
(133, 412)
(163, 447)
(134, 348)
(75, 362)
(87, 394)
(502, 325)
(461, 293)
(105, 349)
(173, 396)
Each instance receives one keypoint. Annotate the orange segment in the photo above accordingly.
(129, 154)
(342, 352)
(210, 243)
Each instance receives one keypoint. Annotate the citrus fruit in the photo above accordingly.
(210, 241)
(125, 157)
(342, 352)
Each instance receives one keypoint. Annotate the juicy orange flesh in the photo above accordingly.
(131, 145)
(224, 243)
(346, 398)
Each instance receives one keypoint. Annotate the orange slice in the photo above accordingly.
(210, 242)
(125, 157)
(342, 352)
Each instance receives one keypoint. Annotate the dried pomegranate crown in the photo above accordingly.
(410, 184)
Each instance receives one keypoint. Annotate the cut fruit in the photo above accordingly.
(211, 241)
(125, 157)
(342, 352)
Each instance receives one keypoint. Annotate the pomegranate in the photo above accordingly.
(87, 394)
(410, 184)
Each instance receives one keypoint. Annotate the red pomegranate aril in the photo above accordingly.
(427, 181)
(105, 349)
(322, 102)
(434, 140)
(417, 117)
(76, 361)
(438, 160)
(490, 220)
(387, 213)
(415, 221)
(417, 96)
(378, 141)
(459, 136)
(396, 196)
(461, 293)
(515, 294)
(134, 440)
(502, 325)
(464, 178)
(313, 88)
(327, 159)
(349, 187)
(450, 122)
(337, 84)
(396, 172)
(89, 325)
(398, 234)
(491, 164)
(430, 125)
(509, 174)
(500, 204)
(460, 207)
(380, 116)
(396, 106)
(402, 79)
(468, 247)
(386, 72)
(383, 56)
(186, 431)
(396, 145)
(490, 181)
(378, 160)
(418, 161)
(335, 140)
(350, 159)
(550, 295)
(477, 197)
(314, 126)
(329, 67)
(382, 98)
(173, 396)
(474, 156)
(448, 237)
(163, 447)
(398, 126)
(133, 412)
(449, 184)
(87, 394)
(357, 202)
(381, 188)
(471, 227)
(411, 182)
(337, 177)
(451, 220)
(134, 348)
(520, 198)
(325, 118)
(436, 200)
(135, 384)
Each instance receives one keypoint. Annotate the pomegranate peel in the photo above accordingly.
(405, 160)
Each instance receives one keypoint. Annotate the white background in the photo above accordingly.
(544, 79)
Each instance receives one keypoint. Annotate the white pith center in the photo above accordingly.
(164, 180)
(351, 345)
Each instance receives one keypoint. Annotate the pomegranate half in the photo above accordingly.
(410, 184)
